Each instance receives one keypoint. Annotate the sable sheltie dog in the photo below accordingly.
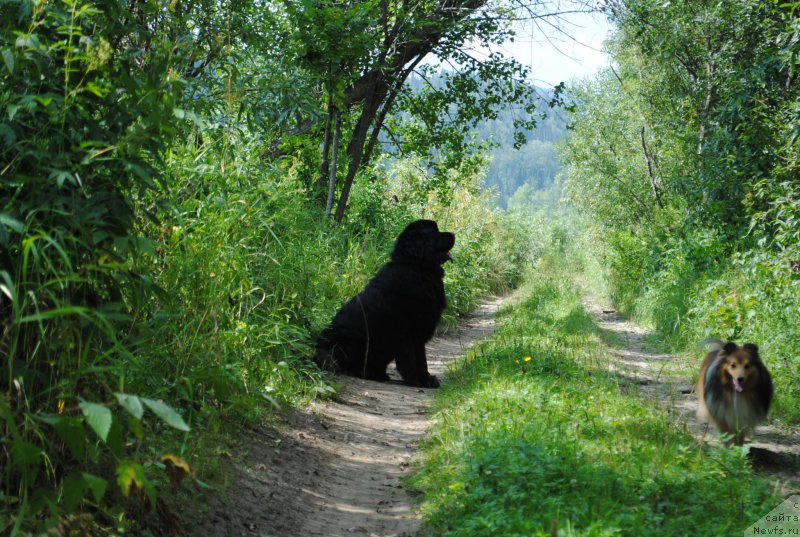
(734, 389)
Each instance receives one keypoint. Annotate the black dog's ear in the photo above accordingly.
(413, 248)
(413, 241)
(751, 348)
(729, 348)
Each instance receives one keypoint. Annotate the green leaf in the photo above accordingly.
(131, 403)
(98, 417)
(71, 431)
(92, 87)
(5, 412)
(130, 478)
(26, 41)
(56, 312)
(144, 245)
(115, 442)
(72, 491)
(12, 222)
(8, 59)
(135, 427)
(26, 458)
(7, 285)
(132, 481)
(7, 134)
(98, 485)
(168, 414)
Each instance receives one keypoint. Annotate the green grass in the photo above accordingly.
(520, 447)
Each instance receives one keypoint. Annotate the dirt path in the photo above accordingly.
(334, 469)
(775, 450)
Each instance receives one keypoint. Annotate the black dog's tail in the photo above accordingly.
(325, 360)
(340, 351)
(329, 356)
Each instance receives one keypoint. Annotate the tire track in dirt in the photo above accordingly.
(334, 469)
(775, 450)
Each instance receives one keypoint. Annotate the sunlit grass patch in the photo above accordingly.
(533, 433)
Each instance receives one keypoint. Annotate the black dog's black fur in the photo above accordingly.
(396, 313)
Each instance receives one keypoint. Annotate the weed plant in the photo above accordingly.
(254, 272)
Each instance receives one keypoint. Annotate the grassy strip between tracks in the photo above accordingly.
(533, 436)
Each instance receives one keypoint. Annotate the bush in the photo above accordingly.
(756, 300)
(243, 270)
(86, 116)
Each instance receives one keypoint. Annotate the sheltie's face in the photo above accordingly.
(734, 389)
(739, 370)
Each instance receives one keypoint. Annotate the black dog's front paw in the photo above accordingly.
(430, 382)
(378, 377)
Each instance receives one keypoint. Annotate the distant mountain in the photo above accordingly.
(535, 164)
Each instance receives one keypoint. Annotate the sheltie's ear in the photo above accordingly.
(729, 348)
(752, 349)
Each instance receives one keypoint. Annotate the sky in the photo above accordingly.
(555, 56)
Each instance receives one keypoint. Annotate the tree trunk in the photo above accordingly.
(651, 173)
(337, 133)
(387, 106)
(326, 148)
(701, 136)
(355, 149)
(380, 98)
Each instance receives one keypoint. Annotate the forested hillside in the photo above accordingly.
(684, 155)
(516, 156)
(534, 163)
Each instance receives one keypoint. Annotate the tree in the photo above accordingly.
(685, 150)
(701, 72)
(384, 42)
(615, 163)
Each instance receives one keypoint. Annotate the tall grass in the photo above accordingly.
(253, 271)
(159, 273)
(533, 435)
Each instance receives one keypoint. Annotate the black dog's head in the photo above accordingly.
(421, 241)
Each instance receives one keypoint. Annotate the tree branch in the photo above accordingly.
(650, 172)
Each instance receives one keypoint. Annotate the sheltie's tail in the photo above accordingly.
(712, 343)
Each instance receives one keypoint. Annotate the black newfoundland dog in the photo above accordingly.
(396, 313)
